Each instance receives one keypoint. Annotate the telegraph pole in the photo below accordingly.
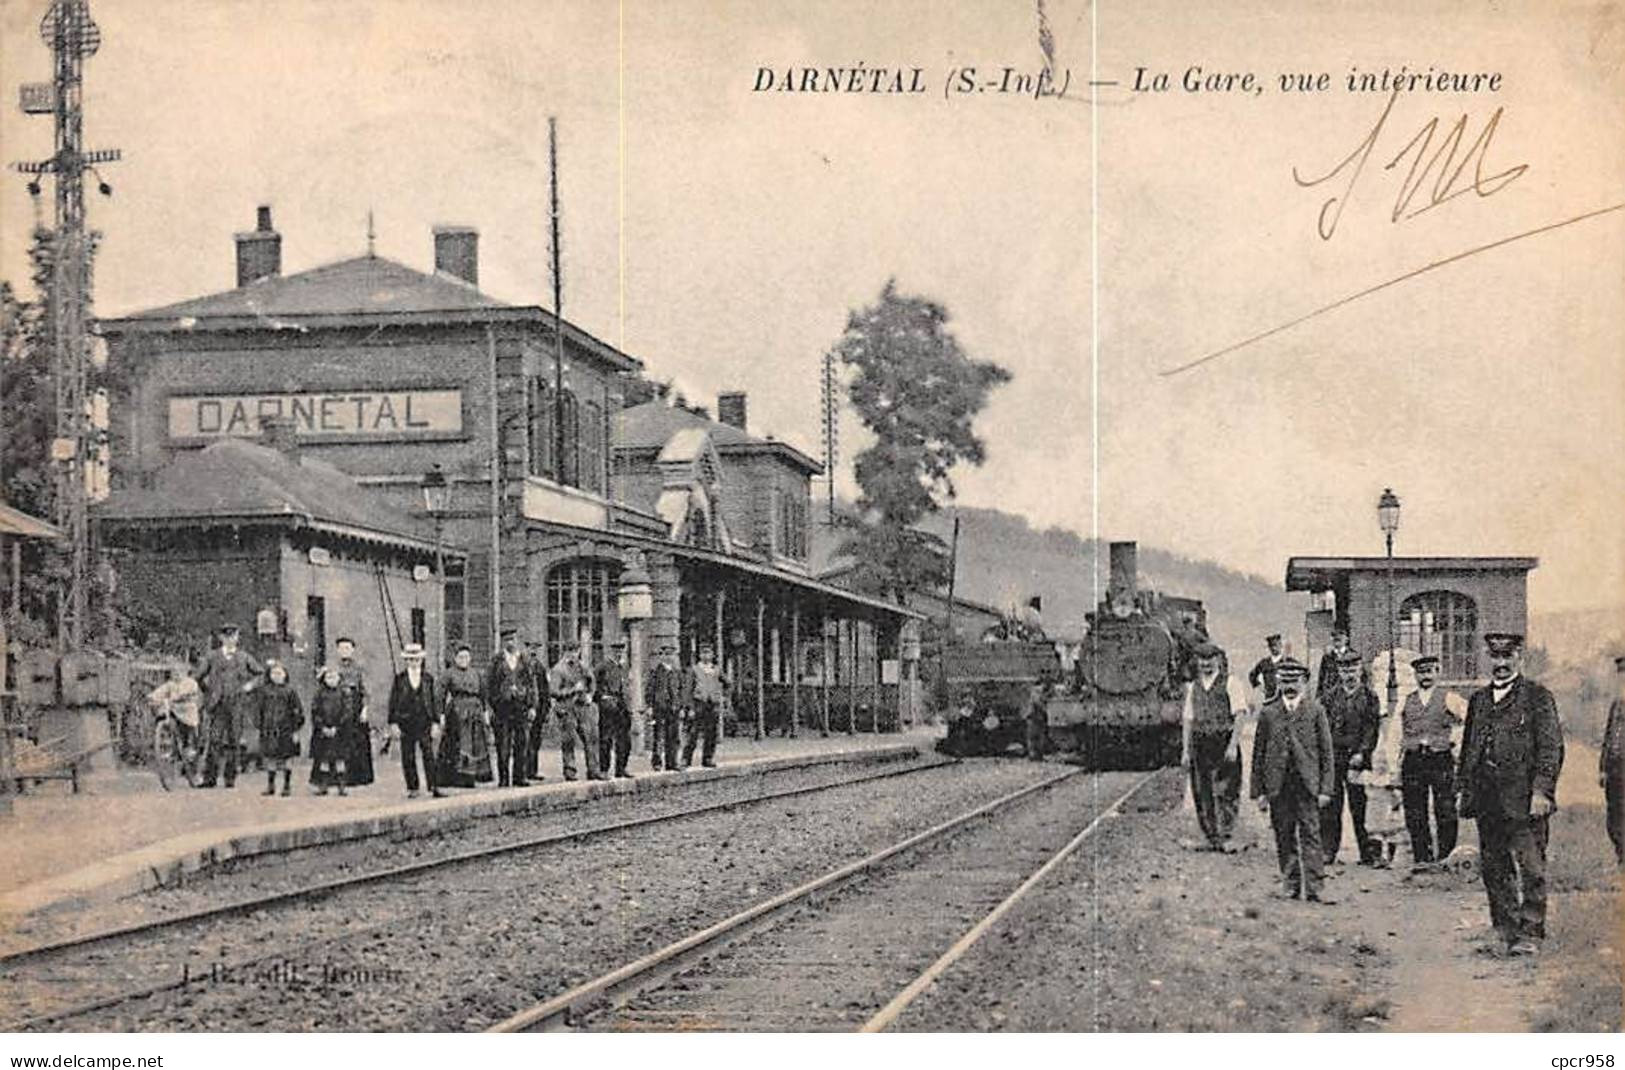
(68, 31)
(831, 402)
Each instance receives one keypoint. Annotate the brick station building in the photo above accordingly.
(564, 505)
(1442, 605)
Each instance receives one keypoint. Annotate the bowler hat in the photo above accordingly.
(1273, 637)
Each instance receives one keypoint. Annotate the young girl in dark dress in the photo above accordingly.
(329, 733)
(280, 716)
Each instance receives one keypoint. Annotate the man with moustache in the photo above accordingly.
(415, 720)
(1354, 714)
(1428, 767)
(512, 691)
(1511, 755)
(1211, 751)
(1291, 777)
(227, 676)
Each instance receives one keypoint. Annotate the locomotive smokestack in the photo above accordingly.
(1124, 572)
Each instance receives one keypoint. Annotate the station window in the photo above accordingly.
(1444, 623)
(580, 595)
(456, 611)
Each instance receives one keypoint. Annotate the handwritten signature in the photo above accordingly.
(1445, 166)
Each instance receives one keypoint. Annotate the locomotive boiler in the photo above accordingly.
(1118, 708)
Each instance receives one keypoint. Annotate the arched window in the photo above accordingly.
(1443, 623)
(580, 595)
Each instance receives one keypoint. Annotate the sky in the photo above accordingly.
(723, 235)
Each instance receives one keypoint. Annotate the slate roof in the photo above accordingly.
(235, 479)
(650, 425)
(363, 289)
(360, 285)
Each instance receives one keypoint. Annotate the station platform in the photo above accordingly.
(123, 835)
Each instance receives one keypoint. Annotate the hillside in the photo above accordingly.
(1003, 561)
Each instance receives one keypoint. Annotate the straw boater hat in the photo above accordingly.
(412, 652)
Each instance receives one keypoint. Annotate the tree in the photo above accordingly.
(918, 391)
(28, 400)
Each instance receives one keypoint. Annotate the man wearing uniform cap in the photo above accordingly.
(1611, 763)
(1291, 778)
(665, 697)
(228, 675)
(1354, 715)
(614, 711)
(1511, 755)
(1211, 744)
(1263, 674)
(512, 690)
(1327, 678)
(1428, 768)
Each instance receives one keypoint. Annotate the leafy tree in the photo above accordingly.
(918, 391)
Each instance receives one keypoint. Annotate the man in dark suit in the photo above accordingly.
(1510, 757)
(614, 711)
(1263, 674)
(1611, 764)
(666, 701)
(415, 720)
(1354, 714)
(1327, 678)
(1291, 773)
(511, 690)
(227, 676)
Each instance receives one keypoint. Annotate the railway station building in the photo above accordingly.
(1441, 605)
(571, 513)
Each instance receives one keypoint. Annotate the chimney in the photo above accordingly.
(731, 408)
(457, 253)
(259, 252)
(277, 432)
(1124, 572)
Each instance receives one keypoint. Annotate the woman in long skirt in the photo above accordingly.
(465, 746)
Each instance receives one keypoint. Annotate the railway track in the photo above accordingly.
(99, 951)
(830, 953)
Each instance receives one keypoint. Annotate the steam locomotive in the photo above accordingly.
(1118, 708)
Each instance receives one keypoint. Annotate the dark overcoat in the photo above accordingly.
(1292, 739)
(1511, 749)
(279, 718)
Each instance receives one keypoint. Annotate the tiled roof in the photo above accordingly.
(361, 285)
(235, 478)
(650, 425)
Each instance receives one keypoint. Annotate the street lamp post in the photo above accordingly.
(435, 493)
(1388, 520)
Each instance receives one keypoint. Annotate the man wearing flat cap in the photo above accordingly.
(1263, 674)
(1511, 755)
(1611, 763)
(1211, 744)
(1428, 718)
(1354, 715)
(1291, 778)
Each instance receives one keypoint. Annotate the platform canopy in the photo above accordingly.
(18, 524)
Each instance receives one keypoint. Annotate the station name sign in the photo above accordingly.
(349, 414)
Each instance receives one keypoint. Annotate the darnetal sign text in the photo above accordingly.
(342, 414)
